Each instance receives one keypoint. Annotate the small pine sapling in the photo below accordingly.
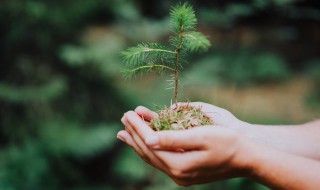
(153, 57)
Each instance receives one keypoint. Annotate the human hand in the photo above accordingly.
(209, 153)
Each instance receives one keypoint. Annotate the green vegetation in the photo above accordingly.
(154, 57)
(148, 57)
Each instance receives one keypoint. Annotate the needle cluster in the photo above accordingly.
(153, 57)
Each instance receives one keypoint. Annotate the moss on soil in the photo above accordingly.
(180, 118)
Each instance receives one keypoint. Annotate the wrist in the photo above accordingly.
(256, 160)
(245, 157)
(241, 127)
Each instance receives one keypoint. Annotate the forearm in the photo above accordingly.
(280, 170)
(301, 140)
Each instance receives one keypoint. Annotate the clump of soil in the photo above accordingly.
(180, 118)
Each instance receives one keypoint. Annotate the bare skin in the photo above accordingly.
(296, 139)
(207, 154)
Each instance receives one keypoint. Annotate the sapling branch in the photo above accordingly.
(144, 56)
(150, 67)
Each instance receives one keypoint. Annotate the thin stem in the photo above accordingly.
(176, 73)
(152, 66)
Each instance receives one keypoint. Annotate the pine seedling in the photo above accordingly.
(153, 57)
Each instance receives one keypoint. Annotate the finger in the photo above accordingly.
(191, 139)
(126, 137)
(147, 154)
(145, 113)
(181, 160)
(138, 141)
(140, 147)
(129, 139)
(138, 125)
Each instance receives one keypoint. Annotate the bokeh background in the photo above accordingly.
(62, 93)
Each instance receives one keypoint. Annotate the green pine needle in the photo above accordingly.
(195, 41)
(183, 15)
(152, 57)
(139, 55)
(150, 67)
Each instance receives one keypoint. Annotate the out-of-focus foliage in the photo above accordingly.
(62, 94)
(59, 106)
(243, 68)
(233, 12)
(313, 72)
(104, 55)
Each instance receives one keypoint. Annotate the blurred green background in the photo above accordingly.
(62, 94)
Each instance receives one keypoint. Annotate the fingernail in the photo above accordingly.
(121, 138)
(123, 121)
(152, 141)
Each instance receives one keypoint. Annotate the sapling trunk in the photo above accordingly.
(146, 57)
(176, 74)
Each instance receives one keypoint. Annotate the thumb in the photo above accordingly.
(145, 113)
(174, 140)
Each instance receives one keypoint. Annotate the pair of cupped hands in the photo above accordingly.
(194, 156)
